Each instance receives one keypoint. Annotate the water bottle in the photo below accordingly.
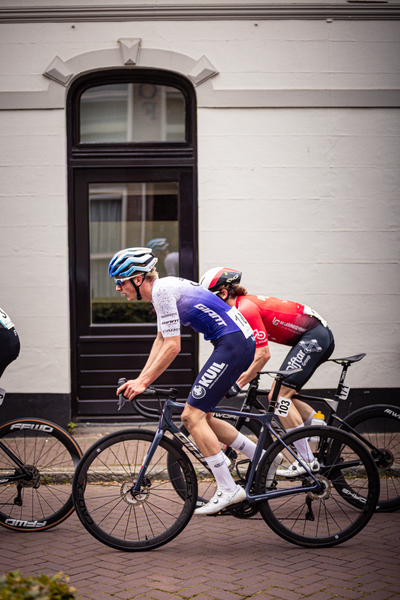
(318, 419)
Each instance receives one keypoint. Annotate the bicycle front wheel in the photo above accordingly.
(323, 517)
(108, 509)
(380, 425)
(41, 498)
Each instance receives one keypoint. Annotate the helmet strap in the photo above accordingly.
(137, 287)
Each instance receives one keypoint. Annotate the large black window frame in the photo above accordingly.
(120, 161)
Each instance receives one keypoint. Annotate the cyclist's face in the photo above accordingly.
(127, 289)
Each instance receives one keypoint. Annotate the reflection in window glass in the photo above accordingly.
(124, 215)
(132, 112)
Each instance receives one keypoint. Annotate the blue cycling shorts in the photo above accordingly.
(233, 354)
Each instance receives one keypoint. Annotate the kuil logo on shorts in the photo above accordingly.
(198, 392)
(211, 373)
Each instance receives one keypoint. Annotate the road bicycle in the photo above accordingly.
(377, 426)
(37, 464)
(137, 489)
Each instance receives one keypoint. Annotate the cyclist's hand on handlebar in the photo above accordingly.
(235, 389)
(132, 388)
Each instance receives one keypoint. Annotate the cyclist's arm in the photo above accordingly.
(163, 352)
(261, 357)
(155, 349)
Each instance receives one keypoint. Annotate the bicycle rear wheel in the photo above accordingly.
(49, 454)
(324, 517)
(380, 425)
(103, 499)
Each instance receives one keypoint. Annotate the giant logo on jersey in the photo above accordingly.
(212, 313)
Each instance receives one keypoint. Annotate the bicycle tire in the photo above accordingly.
(380, 424)
(51, 456)
(206, 483)
(323, 518)
(107, 509)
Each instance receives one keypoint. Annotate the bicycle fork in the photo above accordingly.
(166, 424)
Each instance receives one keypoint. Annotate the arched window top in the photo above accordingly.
(132, 112)
(139, 107)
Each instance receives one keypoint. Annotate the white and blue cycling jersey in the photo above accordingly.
(179, 301)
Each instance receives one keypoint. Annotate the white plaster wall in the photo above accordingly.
(304, 201)
(34, 248)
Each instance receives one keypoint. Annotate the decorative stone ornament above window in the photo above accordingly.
(58, 71)
(202, 71)
(130, 50)
(198, 72)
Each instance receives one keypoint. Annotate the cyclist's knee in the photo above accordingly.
(191, 416)
(209, 417)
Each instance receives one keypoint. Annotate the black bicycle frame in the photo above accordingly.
(166, 424)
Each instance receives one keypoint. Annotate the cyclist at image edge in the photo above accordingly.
(9, 341)
(177, 301)
(283, 322)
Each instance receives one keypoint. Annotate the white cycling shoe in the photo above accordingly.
(221, 500)
(272, 470)
(295, 469)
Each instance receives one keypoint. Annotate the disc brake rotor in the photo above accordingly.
(325, 489)
(135, 498)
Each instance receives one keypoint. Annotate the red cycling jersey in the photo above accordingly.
(277, 320)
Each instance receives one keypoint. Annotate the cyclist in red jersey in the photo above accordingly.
(283, 322)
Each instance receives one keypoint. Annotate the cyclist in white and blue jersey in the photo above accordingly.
(177, 301)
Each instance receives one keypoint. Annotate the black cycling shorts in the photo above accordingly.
(233, 354)
(313, 348)
(9, 347)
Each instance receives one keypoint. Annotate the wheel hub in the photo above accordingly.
(324, 490)
(135, 498)
(32, 480)
(384, 460)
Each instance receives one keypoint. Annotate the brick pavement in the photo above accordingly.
(214, 558)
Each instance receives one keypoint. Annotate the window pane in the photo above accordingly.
(123, 216)
(132, 112)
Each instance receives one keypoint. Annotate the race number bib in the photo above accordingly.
(282, 407)
(5, 320)
(240, 321)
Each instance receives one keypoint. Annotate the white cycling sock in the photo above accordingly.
(303, 447)
(221, 472)
(309, 419)
(244, 445)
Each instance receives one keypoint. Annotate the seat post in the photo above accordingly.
(339, 390)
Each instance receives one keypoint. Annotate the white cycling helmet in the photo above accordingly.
(129, 261)
(219, 277)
